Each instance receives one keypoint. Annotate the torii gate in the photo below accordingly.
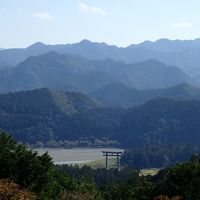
(117, 154)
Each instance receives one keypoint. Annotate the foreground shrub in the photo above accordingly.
(11, 191)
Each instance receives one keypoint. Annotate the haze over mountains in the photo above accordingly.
(68, 72)
(101, 88)
(181, 53)
(119, 95)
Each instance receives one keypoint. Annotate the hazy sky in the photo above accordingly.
(119, 22)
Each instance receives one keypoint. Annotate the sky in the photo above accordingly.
(118, 22)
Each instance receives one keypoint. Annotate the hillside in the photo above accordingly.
(118, 94)
(161, 121)
(43, 116)
(66, 72)
(39, 113)
(39, 102)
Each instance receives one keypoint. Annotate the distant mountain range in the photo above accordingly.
(119, 95)
(184, 54)
(142, 94)
(46, 115)
(68, 72)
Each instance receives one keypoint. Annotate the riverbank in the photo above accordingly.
(75, 155)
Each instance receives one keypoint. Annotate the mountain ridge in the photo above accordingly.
(169, 52)
(69, 72)
(117, 94)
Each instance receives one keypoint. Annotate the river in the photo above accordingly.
(75, 155)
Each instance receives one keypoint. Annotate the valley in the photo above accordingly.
(99, 100)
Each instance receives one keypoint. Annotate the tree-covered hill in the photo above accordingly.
(41, 113)
(120, 95)
(45, 115)
(46, 102)
(161, 120)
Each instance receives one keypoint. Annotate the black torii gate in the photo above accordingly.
(117, 154)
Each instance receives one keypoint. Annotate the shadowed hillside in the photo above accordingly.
(118, 94)
(66, 72)
(45, 115)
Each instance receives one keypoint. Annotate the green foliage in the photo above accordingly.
(82, 142)
(101, 176)
(158, 156)
(36, 173)
(120, 95)
(161, 121)
(27, 168)
(182, 179)
(40, 117)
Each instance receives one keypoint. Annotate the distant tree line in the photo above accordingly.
(160, 121)
(82, 142)
(158, 156)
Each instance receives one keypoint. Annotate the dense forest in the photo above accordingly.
(39, 179)
(158, 156)
(120, 95)
(47, 117)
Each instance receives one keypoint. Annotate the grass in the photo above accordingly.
(112, 162)
(151, 172)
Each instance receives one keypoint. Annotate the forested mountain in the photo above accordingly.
(46, 102)
(184, 54)
(158, 121)
(39, 113)
(66, 72)
(117, 94)
(161, 121)
(45, 115)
